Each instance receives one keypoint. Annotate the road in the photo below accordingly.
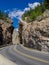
(22, 56)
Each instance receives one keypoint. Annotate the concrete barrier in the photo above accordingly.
(5, 61)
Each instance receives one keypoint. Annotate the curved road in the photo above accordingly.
(22, 56)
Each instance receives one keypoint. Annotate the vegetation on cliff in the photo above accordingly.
(32, 14)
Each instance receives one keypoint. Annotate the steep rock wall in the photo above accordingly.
(35, 34)
(6, 30)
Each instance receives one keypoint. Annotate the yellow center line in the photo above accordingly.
(30, 49)
(31, 57)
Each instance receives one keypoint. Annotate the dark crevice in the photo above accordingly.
(1, 36)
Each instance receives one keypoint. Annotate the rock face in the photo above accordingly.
(15, 37)
(6, 30)
(36, 33)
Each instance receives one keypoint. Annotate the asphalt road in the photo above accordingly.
(22, 56)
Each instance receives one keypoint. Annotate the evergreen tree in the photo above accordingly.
(46, 3)
(3, 15)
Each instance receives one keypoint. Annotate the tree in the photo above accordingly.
(3, 15)
(31, 15)
(46, 3)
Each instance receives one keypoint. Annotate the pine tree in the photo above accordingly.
(46, 3)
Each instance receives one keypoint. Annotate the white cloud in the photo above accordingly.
(26, 9)
(18, 13)
(33, 5)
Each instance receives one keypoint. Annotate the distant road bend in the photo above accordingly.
(21, 56)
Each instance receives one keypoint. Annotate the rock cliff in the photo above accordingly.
(15, 37)
(6, 30)
(36, 33)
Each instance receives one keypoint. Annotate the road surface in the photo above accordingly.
(21, 56)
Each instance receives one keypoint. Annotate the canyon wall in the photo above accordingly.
(6, 31)
(36, 33)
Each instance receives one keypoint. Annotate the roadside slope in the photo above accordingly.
(4, 61)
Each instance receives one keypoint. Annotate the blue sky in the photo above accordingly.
(16, 8)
